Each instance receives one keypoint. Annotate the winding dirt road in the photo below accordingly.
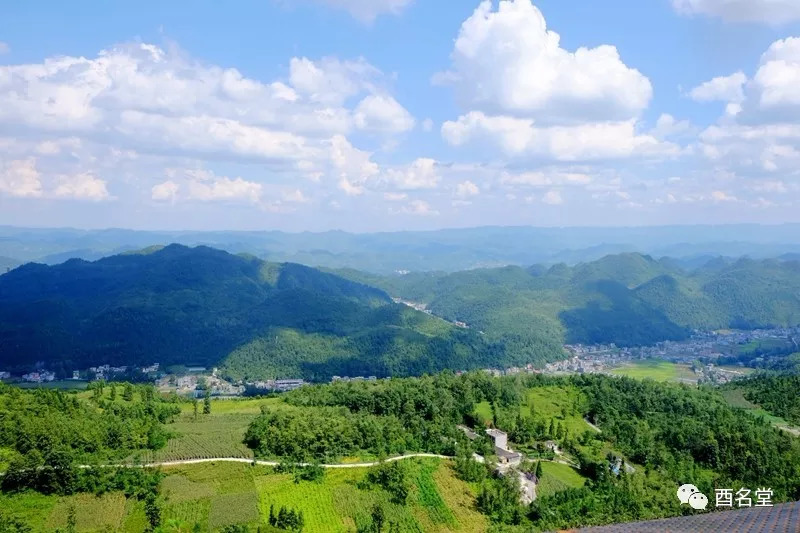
(270, 463)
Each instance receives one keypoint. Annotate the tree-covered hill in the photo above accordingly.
(197, 306)
(627, 299)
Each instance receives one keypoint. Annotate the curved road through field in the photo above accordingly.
(271, 463)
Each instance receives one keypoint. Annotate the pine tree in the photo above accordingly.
(272, 517)
(113, 394)
(378, 518)
(196, 408)
(207, 403)
(538, 471)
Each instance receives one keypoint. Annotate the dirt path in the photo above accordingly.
(274, 463)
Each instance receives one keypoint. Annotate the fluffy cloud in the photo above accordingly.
(382, 113)
(762, 135)
(589, 141)
(763, 11)
(20, 178)
(206, 186)
(136, 108)
(722, 88)
(467, 189)
(143, 97)
(330, 80)
(167, 190)
(352, 167)
(83, 186)
(526, 95)
(505, 61)
(421, 174)
(368, 10)
(553, 197)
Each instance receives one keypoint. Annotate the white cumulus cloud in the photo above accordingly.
(588, 141)
(83, 186)
(167, 190)
(506, 61)
(466, 189)
(20, 178)
(721, 88)
(382, 113)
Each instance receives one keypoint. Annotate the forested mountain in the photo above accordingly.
(200, 306)
(628, 299)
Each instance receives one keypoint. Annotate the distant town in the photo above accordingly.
(700, 354)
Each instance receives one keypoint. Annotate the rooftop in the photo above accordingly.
(780, 518)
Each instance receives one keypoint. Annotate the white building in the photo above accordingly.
(501, 450)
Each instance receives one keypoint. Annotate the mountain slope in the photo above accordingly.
(197, 306)
(627, 299)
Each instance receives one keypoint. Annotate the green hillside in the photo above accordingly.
(200, 306)
(627, 299)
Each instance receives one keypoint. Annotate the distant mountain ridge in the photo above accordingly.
(447, 249)
(200, 306)
(628, 299)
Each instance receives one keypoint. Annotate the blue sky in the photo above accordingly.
(370, 115)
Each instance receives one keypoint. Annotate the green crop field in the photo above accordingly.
(211, 436)
(557, 477)
(655, 369)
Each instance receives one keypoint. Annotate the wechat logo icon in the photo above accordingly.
(690, 494)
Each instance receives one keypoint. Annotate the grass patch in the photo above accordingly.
(648, 369)
(178, 489)
(561, 403)
(190, 512)
(483, 411)
(428, 496)
(233, 508)
(459, 497)
(92, 513)
(316, 500)
(557, 477)
(30, 507)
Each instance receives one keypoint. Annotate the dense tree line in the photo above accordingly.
(383, 417)
(50, 432)
(778, 394)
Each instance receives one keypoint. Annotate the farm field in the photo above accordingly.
(657, 370)
(557, 477)
(218, 434)
(214, 435)
(216, 495)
